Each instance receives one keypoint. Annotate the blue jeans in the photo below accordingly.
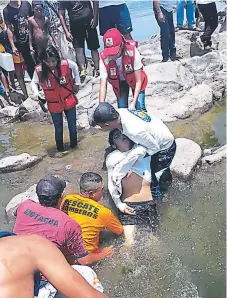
(122, 102)
(58, 125)
(190, 13)
(167, 34)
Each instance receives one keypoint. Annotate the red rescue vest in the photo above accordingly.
(58, 98)
(128, 59)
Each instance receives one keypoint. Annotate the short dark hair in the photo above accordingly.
(89, 181)
(104, 112)
(49, 201)
(112, 136)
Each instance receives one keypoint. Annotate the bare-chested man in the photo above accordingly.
(22, 256)
(129, 178)
(39, 31)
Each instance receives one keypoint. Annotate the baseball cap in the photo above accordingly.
(50, 186)
(112, 42)
(104, 112)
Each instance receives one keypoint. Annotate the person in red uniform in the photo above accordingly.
(121, 66)
(60, 80)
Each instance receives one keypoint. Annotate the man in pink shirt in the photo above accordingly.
(46, 220)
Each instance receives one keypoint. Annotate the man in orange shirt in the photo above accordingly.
(86, 210)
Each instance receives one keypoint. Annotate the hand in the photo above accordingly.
(108, 252)
(161, 17)
(69, 36)
(75, 88)
(129, 210)
(15, 51)
(132, 106)
(94, 23)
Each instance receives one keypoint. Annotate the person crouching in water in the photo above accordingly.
(121, 66)
(129, 179)
(60, 80)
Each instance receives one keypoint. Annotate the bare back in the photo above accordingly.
(135, 189)
(21, 256)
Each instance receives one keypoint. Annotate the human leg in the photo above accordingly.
(190, 12)
(172, 48)
(20, 77)
(71, 119)
(93, 45)
(123, 21)
(129, 233)
(122, 102)
(164, 32)
(209, 13)
(180, 13)
(106, 17)
(30, 64)
(58, 125)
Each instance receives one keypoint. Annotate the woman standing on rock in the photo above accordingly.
(121, 66)
(60, 80)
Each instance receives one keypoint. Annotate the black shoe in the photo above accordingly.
(165, 60)
(73, 144)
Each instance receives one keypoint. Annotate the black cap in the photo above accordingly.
(104, 112)
(50, 186)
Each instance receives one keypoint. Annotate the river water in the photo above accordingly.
(189, 260)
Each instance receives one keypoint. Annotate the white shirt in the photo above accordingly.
(154, 135)
(104, 3)
(137, 65)
(118, 166)
(72, 65)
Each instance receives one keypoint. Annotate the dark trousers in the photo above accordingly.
(210, 16)
(58, 125)
(167, 34)
(159, 161)
(29, 62)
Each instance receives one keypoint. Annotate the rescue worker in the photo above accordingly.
(59, 79)
(121, 66)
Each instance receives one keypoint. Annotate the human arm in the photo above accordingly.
(75, 72)
(61, 15)
(9, 31)
(112, 223)
(161, 16)
(30, 35)
(94, 21)
(138, 78)
(76, 248)
(52, 264)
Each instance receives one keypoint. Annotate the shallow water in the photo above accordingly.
(189, 260)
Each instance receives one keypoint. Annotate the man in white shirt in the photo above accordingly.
(115, 14)
(153, 134)
(208, 10)
(129, 178)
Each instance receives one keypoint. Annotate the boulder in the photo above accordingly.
(197, 99)
(9, 114)
(187, 155)
(18, 162)
(29, 194)
(83, 121)
(222, 41)
(215, 155)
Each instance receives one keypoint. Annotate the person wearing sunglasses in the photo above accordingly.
(92, 216)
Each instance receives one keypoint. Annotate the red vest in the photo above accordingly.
(128, 59)
(57, 97)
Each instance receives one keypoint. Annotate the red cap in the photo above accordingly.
(112, 42)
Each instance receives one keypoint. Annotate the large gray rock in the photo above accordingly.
(9, 114)
(29, 194)
(222, 45)
(187, 155)
(18, 162)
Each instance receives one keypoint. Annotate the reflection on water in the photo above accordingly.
(189, 260)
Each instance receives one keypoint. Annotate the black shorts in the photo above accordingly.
(146, 215)
(81, 33)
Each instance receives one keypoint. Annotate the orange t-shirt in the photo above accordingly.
(92, 217)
